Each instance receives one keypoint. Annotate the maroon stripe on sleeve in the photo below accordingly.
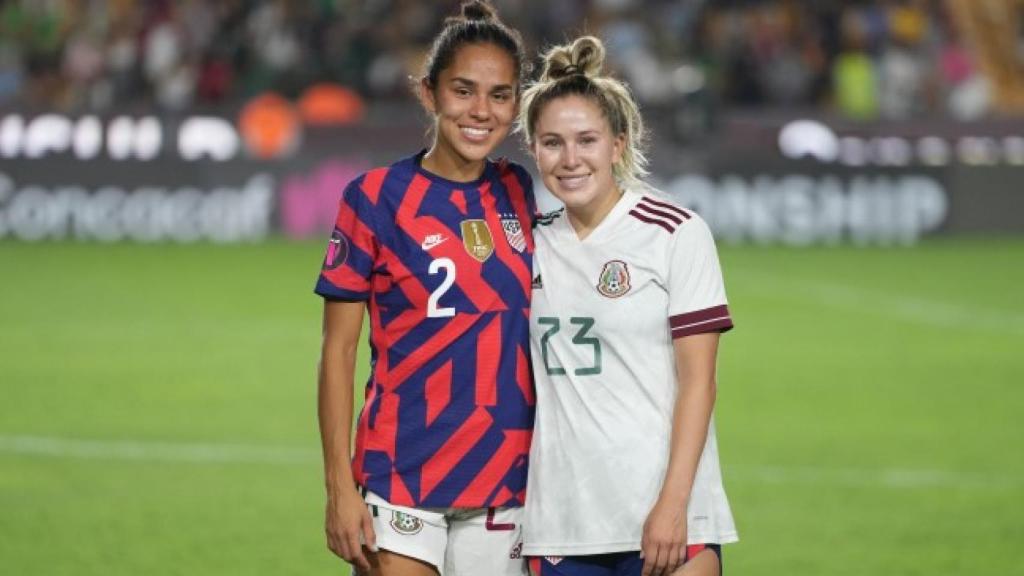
(720, 325)
(663, 213)
(698, 315)
(649, 220)
(668, 206)
(714, 319)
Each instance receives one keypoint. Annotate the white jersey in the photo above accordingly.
(603, 317)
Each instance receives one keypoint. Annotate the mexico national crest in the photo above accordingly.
(405, 523)
(614, 279)
(514, 233)
(476, 237)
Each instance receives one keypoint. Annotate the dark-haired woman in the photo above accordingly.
(437, 248)
(625, 321)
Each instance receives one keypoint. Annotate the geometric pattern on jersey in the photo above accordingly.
(604, 316)
(445, 268)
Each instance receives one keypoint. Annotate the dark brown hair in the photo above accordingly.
(477, 24)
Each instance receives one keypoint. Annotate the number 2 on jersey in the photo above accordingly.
(436, 266)
(579, 339)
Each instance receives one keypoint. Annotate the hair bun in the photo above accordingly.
(585, 56)
(478, 10)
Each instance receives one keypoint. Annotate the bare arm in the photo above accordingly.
(347, 520)
(664, 537)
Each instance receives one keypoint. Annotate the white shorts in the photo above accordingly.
(458, 541)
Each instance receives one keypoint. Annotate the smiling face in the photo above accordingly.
(473, 103)
(575, 150)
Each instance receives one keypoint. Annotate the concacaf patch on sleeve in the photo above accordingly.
(337, 251)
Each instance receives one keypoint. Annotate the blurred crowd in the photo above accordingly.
(865, 59)
(888, 58)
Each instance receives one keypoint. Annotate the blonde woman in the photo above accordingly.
(628, 305)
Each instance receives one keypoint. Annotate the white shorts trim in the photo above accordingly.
(457, 541)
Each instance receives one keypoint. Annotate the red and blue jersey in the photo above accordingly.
(446, 270)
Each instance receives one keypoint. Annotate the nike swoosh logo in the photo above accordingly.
(432, 242)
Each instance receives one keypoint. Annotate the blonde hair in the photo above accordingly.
(575, 69)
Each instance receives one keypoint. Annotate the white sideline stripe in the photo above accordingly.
(858, 477)
(156, 451)
(207, 453)
(909, 308)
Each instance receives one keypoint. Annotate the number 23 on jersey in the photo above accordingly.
(581, 337)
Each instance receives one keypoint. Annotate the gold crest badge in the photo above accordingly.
(476, 237)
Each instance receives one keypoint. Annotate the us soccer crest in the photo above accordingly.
(476, 237)
(513, 232)
(405, 523)
(614, 279)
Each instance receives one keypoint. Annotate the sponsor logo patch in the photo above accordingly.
(476, 237)
(337, 251)
(554, 560)
(614, 279)
(405, 523)
(517, 552)
(513, 232)
(537, 283)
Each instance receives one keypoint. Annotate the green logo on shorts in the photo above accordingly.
(405, 523)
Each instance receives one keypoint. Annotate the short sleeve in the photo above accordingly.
(697, 302)
(352, 249)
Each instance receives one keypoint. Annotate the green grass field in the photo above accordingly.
(157, 410)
